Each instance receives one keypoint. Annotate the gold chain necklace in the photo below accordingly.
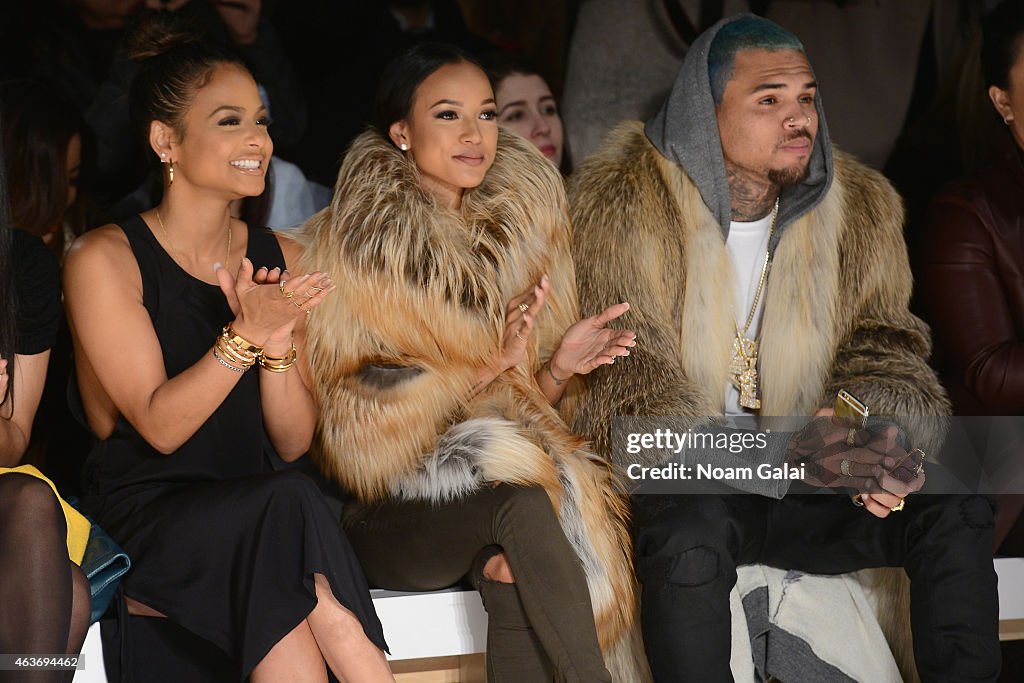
(743, 367)
(171, 244)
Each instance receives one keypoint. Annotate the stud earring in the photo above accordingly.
(404, 147)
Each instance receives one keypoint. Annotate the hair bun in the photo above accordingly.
(157, 33)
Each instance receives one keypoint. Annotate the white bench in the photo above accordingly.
(445, 623)
(452, 622)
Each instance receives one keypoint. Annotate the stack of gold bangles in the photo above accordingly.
(239, 354)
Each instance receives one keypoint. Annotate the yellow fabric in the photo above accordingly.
(78, 526)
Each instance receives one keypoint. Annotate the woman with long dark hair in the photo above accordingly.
(438, 366)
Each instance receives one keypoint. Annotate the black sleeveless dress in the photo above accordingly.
(220, 542)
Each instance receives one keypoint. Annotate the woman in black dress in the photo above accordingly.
(188, 375)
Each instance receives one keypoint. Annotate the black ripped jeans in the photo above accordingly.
(688, 548)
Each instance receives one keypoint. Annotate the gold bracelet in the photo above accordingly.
(229, 350)
(282, 364)
(241, 342)
(234, 354)
(559, 382)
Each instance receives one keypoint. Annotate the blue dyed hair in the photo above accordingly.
(748, 33)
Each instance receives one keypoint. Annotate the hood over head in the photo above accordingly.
(685, 131)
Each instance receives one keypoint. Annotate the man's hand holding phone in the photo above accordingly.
(838, 450)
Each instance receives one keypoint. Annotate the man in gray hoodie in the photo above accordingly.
(767, 273)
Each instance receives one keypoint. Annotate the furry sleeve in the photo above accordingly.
(385, 395)
(621, 212)
(882, 355)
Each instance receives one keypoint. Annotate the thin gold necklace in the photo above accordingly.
(171, 244)
(743, 368)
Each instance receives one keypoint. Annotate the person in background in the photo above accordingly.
(971, 256)
(527, 108)
(45, 596)
(50, 162)
(49, 156)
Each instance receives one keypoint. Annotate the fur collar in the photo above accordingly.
(387, 227)
(834, 248)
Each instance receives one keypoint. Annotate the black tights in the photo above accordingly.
(45, 597)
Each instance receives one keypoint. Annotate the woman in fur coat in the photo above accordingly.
(437, 369)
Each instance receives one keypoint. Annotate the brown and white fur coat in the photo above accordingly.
(420, 309)
(835, 311)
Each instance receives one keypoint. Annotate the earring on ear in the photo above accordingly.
(170, 172)
(404, 147)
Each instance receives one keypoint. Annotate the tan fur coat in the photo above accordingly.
(420, 309)
(835, 310)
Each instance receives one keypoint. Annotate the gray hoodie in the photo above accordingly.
(686, 131)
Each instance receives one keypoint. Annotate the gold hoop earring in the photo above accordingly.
(170, 173)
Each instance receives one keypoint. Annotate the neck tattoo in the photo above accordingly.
(751, 199)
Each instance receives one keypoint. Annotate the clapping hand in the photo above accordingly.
(266, 305)
(520, 315)
(590, 343)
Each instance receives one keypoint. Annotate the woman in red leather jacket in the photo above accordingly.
(972, 262)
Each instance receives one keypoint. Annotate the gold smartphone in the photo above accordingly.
(850, 410)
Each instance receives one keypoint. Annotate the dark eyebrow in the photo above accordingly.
(518, 102)
(236, 109)
(456, 103)
(781, 86)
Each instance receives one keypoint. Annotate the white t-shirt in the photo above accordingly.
(746, 244)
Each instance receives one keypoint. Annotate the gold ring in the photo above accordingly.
(317, 289)
(521, 338)
(297, 304)
(844, 467)
(524, 307)
(308, 295)
(855, 498)
(851, 437)
(280, 286)
(898, 507)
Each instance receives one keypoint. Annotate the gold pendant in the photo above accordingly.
(743, 369)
